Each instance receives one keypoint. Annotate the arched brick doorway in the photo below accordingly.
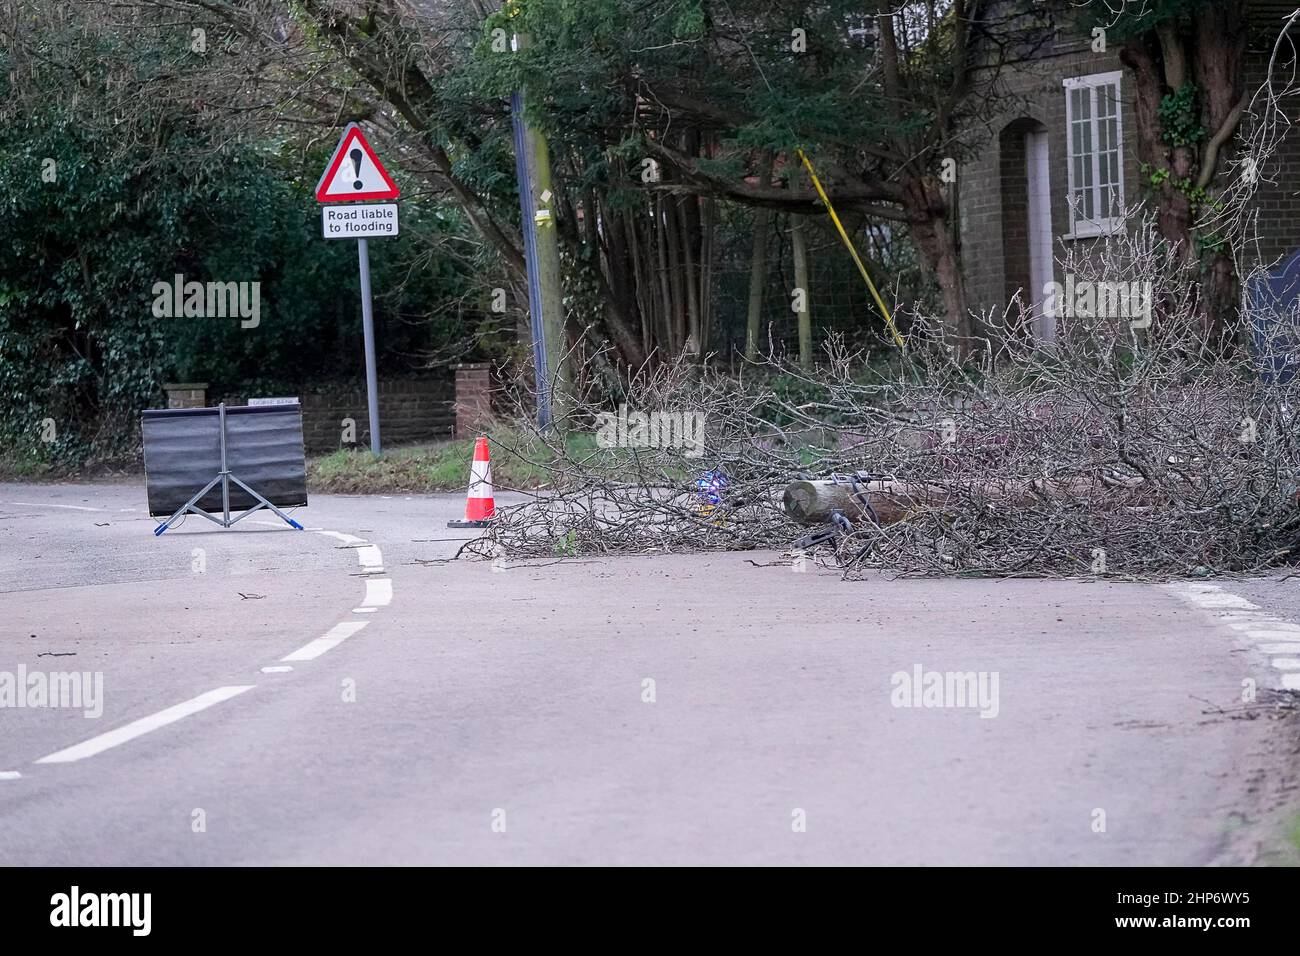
(1025, 186)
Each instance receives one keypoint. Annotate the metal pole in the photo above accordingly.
(368, 326)
(225, 468)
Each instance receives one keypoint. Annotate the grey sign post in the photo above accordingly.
(355, 173)
(368, 329)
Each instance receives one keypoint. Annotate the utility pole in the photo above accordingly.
(541, 254)
(548, 268)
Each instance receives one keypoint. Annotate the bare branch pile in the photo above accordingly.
(1138, 443)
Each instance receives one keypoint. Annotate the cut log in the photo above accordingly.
(813, 501)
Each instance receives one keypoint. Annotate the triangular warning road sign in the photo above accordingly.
(355, 172)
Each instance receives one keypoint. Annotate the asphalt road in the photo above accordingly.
(339, 696)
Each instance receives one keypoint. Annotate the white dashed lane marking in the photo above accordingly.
(379, 593)
(138, 728)
(327, 641)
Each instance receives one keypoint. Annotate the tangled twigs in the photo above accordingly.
(1135, 444)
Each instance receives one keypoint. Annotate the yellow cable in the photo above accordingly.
(889, 319)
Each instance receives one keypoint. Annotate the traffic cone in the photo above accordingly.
(479, 505)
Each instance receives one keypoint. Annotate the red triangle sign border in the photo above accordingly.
(353, 134)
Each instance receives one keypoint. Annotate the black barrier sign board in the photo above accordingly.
(218, 460)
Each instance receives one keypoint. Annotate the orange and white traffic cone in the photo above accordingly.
(479, 505)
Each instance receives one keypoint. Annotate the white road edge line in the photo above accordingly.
(1255, 624)
(138, 728)
(1280, 648)
(332, 638)
(33, 504)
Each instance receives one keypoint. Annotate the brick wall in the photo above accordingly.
(410, 411)
(1278, 202)
(186, 394)
(993, 182)
(473, 403)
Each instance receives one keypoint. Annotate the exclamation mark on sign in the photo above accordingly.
(355, 156)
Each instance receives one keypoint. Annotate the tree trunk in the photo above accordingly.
(665, 289)
(643, 283)
(706, 273)
(1209, 52)
(757, 280)
(691, 274)
(672, 230)
(802, 292)
(812, 501)
(928, 215)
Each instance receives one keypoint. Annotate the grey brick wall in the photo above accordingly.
(410, 411)
(1278, 201)
(993, 199)
(992, 183)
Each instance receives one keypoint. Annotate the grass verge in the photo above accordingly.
(442, 466)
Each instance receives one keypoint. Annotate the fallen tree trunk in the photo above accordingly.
(886, 500)
(813, 501)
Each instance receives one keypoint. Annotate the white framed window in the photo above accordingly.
(1094, 143)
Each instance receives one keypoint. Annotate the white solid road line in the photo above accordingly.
(332, 638)
(32, 504)
(9, 775)
(138, 728)
(277, 669)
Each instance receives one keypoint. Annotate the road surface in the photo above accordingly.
(342, 696)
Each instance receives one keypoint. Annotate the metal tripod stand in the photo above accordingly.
(225, 478)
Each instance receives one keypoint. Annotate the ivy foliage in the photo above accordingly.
(1180, 116)
(98, 205)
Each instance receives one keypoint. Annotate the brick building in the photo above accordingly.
(1060, 163)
